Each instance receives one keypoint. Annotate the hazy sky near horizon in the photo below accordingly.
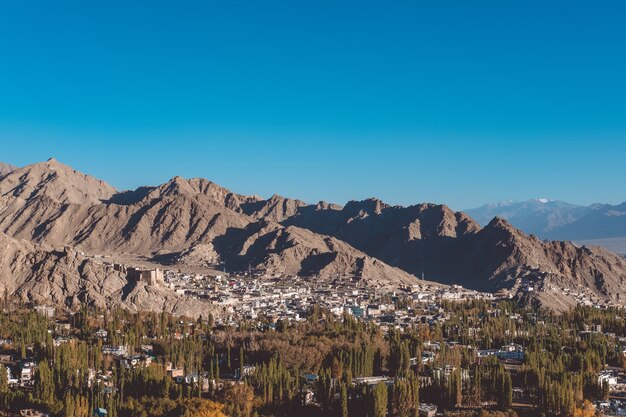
(451, 102)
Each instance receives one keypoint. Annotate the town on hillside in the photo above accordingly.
(300, 346)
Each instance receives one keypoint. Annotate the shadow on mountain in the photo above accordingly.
(252, 207)
(128, 288)
(130, 197)
(231, 243)
(312, 264)
(136, 217)
(166, 258)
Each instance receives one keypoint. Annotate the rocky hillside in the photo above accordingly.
(448, 247)
(194, 222)
(54, 181)
(197, 222)
(41, 274)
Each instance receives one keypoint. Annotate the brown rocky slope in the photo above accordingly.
(451, 248)
(44, 275)
(188, 221)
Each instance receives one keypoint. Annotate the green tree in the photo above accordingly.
(402, 398)
(507, 395)
(44, 383)
(380, 400)
(241, 361)
(415, 393)
(344, 400)
(4, 379)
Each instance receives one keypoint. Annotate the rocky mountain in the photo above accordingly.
(5, 168)
(55, 181)
(197, 222)
(599, 224)
(41, 274)
(194, 222)
(443, 246)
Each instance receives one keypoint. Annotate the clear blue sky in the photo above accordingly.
(453, 102)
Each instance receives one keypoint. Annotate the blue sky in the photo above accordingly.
(451, 102)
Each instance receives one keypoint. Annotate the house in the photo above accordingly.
(174, 372)
(59, 341)
(247, 370)
(10, 379)
(100, 412)
(310, 378)
(427, 357)
(354, 310)
(370, 381)
(9, 376)
(136, 361)
(45, 311)
(373, 310)
(152, 277)
(27, 372)
(114, 350)
(62, 327)
(427, 410)
(608, 378)
(512, 352)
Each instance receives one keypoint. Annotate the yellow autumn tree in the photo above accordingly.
(202, 408)
(587, 410)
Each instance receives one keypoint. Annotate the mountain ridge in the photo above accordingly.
(195, 221)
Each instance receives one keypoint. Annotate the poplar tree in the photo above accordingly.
(344, 400)
(380, 400)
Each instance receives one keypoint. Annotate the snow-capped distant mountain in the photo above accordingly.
(599, 224)
(538, 216)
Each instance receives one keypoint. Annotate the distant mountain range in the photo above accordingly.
(53, 218)
(600, 224)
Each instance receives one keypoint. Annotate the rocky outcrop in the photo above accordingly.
(39, 274)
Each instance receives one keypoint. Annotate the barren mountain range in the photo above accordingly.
(50, 215)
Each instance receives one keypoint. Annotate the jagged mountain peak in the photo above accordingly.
(368, 206)
(194, 187)
(277, 208)
(500, 223)
(175, 186)
(56, 181)
(323, 205)
(501, 231)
